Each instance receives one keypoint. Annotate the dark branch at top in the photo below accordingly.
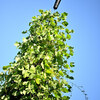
(57, 2)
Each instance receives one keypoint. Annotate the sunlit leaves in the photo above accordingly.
(53, 24)
(17, 58)
(16, 44)
(58, 36)
(24, 92)
(14, 93)
(1, 73)
(56, 14)
(37, 80)
(72, 64)
(71, 71)
(25, 73)
(49, 71)
(51, 37)
(41, 11)
(64, 16)
(24, 40)
(68, 36)
(64, 89)
(34, 18)
(32, 69)
(69, 31)
(6, 67)
(65, 23)
(27, 67)
(64, 82)
(67, 66)
(41, 64)
(61, 73)
(65, 98)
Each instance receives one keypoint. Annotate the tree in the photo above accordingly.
(41, 66)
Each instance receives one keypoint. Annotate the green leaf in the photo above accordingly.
(34, 18)
(67, 30)
(65, 90)
(32, 69)
(64, 82)
(37, 80)
(71, 48)
(1, 73)
(2, 97)
(65, 14)
(65, 61)
(67, 66)
(30, 23)
(41, 11)
(40, 94)
(72, 64)
(27, 66)
(26, 75)
(24, 92)
(17, 58)
(49, 71)
(61, 73)
(58, 36)
(71, 71)
(16, 44)
(67, 55)
(14, 93)
(60, 27)
(71, 77)
(42, 65)
(50, 37)
(25, 83)
(56, 14)
(24, 32)
(6, 67)
(47, 57)
(71, 31)
(71, 53)
(53, 24)
(58, 19)
(65, 23)
(29, 86)
(24, 40)
(60, 42)
(52, 19)
(68, 36)
(65, 98)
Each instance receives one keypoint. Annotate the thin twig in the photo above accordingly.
(79, 87)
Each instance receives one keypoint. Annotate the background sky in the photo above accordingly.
(83, 17)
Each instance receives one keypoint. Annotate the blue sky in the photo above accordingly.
(83, 17)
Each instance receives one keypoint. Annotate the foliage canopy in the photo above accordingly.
(41, 66)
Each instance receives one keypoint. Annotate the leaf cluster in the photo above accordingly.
(40, 66)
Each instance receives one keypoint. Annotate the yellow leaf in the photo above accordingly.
(37, 80)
